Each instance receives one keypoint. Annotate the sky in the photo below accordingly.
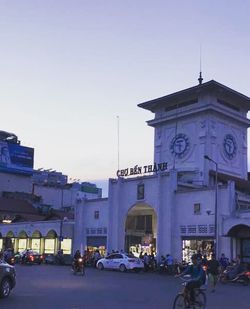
(69, 69)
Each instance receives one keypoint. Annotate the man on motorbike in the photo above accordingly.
(77, 256)
(224, 262)
(197, 274)
(8, 255)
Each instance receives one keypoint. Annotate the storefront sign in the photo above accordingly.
(139, 170)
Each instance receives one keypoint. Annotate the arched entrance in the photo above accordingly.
(140, 230)
(241, 234)
(50, 242)
(36, 241)
(9, 241)
(22, 241)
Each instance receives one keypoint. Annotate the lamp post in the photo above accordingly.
(216, 204)
(61, 230)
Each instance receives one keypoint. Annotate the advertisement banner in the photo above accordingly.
(15, 158)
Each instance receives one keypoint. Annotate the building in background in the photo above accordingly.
(36, 206)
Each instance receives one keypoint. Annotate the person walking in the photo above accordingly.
(213, 272)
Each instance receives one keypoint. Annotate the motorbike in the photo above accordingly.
(163, 267)
(10, 260)
(78, 266)
(231, 275)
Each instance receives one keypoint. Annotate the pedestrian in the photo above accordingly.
(213, 272)
(199, 255)
(170, 264)
(204, 261)
(146, 262)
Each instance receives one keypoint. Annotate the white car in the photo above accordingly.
(120, 261)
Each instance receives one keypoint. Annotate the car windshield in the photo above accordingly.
(130, 256)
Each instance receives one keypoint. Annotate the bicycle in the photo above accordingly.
(182, 299)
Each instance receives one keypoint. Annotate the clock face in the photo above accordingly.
(229, 146)
(179, 145)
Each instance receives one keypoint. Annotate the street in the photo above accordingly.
(52, 287)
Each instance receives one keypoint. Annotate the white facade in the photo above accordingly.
(206, 120)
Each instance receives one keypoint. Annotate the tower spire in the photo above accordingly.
(200, 79)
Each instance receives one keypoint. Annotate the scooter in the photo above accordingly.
(229, 275)
(78, 267)
(10, 260)
(163, 267)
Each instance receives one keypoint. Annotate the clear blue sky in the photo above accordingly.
(68, 68)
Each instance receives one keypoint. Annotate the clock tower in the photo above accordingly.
(208, 119)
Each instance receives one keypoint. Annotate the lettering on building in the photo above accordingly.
(140, 170)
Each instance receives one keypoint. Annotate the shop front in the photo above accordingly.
(97, 243)
(192, 245)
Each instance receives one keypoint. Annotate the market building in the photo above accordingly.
(196, 194)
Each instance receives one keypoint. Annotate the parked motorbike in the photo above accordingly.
(78, 266)
(163, 267)
(234, 275)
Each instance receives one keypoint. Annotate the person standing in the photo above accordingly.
(146, 262)
(170, 264)
(213, 272)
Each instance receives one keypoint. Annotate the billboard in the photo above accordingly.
(15, 158)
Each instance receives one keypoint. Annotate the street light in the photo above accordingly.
(216, 204)
(61, 230)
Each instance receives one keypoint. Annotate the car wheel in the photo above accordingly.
(137, 270)
(100, 266)
(122, 268)
(5, 288)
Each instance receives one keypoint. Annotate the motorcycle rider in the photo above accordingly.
(163, 263)
(77, 256)
(8, 255)
(224, 262)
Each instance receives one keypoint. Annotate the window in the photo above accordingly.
(35, 244)
(97, 214)
(197, 208)
(22, 244)
(49, 246)
(66, 246)
(140, 192)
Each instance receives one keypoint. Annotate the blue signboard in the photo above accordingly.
(15, 158)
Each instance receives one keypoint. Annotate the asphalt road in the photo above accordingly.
(55, 287)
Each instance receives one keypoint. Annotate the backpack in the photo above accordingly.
(203, 276)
